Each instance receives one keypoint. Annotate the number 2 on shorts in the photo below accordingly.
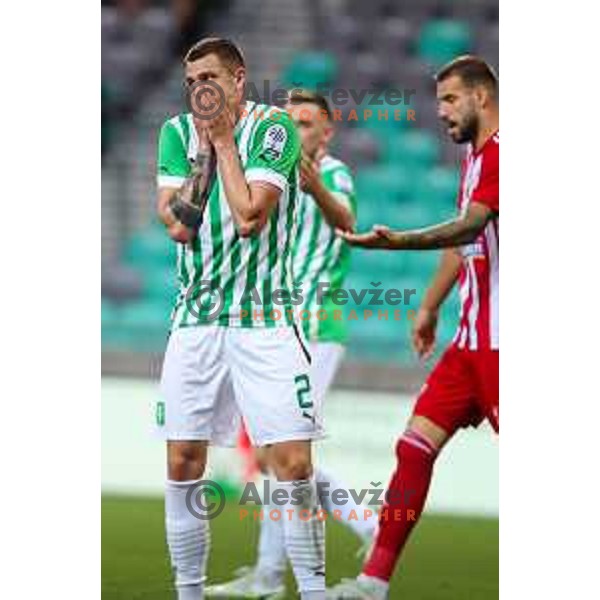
(303, 391)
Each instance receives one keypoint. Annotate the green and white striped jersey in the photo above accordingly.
(321, 257)
(242, 272)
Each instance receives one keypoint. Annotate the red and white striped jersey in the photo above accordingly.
(479, 292)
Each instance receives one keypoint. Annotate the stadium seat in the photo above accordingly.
(145, 313)
(421, 265)
(144, 325)
(442, 40)
(150, 247)
(413, 148)
(109, 314)
(414, 215)
(357, 146)
(311, 69)
(437, 189)
(159, 284)
(383, 183)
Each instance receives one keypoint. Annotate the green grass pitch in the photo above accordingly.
(448, 558)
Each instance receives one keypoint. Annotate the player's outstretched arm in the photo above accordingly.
(456, 232)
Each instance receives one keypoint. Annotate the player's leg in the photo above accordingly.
(416, 451)
(272, 557)
(192, 379)
(187, 536)
(303, 531)
(326, 359)
(265, 580)
(446, 403)
(270, 369)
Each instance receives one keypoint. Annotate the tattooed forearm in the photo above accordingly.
(194, 186)
(451, 233)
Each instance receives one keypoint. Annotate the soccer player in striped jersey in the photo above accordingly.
(321, 261)
(228, 190)
(327, 201)
(463, 387)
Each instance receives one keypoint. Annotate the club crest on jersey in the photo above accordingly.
(274, 142)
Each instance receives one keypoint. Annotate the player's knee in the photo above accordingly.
(432, 433)
(294, 469)
(414, 447)
(293, 466)
(185, 463)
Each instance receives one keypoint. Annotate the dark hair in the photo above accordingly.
(472, 70)
(225, 49)
(298, 96)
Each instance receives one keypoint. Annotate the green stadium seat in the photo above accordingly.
(421, 265)
(413, 149)
(384, 130)
(376, 264)
(150, 247)
(145, 325)
(311, 69)
(110, 323)
(438, 188)
(145, 314)
(442, 40)
(383, 183)
(159, 283)
(414, 215)
(109, 313)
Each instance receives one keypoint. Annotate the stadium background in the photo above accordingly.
(406, 175)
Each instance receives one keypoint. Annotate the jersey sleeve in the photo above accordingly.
(274, 151)
(173, 166)
(340, 183)
(488, 190)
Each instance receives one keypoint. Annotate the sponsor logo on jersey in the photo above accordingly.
(473, 250)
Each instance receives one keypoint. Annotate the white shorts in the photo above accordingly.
(213, 375)
(326, 358)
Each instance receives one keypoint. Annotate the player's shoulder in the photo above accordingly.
(493, 144)
(179, 123)
(491, 152)
(271, 114)
(271, 122)
(338, 173)
(331, 163)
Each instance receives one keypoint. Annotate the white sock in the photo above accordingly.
(272, 560)
(312, 596)
(377, 586)
(361, 526)
(188, 540)
(304, 537)
(190, 592)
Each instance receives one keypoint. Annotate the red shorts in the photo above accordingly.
(462, 390)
